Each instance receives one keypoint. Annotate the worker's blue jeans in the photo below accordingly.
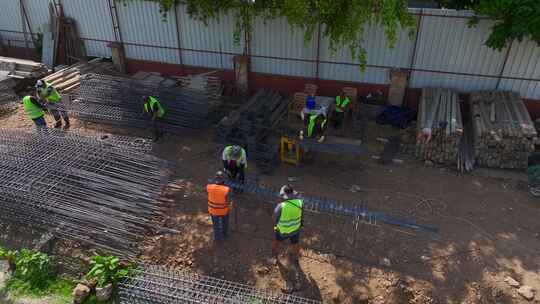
(221, 226)
(40, 123)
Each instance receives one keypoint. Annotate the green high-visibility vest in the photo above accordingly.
(312, 123)
(152, 104)
(33, 111)
(341, 104)
(50, 93)
(291, 217)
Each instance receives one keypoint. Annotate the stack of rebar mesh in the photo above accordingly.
(118, 101)
(8, 98)
(100, 191)
(439, 126)
(503, 134)
(253, 125)
(156, 285)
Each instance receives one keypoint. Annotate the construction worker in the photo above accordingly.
(35, 111)
(342, 104)
(235, 162)
(219, 204)
(287, 222)
(315, 125)
(45, 91)
(156, 111)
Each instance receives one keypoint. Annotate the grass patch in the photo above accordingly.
(59, 290)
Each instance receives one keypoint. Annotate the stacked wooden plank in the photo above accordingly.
(503, 132)
(20, 68)
(439, 126)
(203, 82)
(68, 80)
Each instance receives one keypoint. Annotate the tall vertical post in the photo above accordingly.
(413, 56)
(501, 73)
(178, 36)
(117, 48)
(318, 59)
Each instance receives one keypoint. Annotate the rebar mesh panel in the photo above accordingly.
(156, 284)
(101, 190)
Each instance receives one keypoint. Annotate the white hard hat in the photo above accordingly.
(40, 84)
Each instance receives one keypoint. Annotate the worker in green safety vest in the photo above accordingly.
(342, 104)
(46, 92)
(315, 125)
(288, 220)
(35, 111)
(153, 108)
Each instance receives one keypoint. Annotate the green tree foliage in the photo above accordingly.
(513, 19)
(342, 21)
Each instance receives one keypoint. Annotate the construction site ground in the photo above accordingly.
(489, 227)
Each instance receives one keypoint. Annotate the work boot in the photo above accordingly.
(58, 125)
(66, 126)
(321, 139)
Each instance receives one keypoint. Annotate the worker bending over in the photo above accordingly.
(219, 204)
(342, 105)
(153, 108)
(287, 222)
(315, 126)
(235, 162)
(46, 92)
(35, 111)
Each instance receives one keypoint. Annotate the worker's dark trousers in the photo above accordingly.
(58, 116)
(237, 172)
(338, 119)
(157, 130)
(221, 226)
(41, 125)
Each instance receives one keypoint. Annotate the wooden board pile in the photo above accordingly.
(439, 126)
(20, 68)
(68, 80)
(204, 82)
(503, 132)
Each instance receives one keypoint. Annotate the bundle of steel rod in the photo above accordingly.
(356, 210)
(118, 101)
(101, 190)
(503, 132)
(8, 102)
(439, 126)
(253, 126)
(156, 285)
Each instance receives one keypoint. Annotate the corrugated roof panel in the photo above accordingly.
(142, 23)
(524, 62)
(448, 44)
(215, 37)
(11, 24)
(93, 21)
(276, 38)
(38, 14)
(378, 54)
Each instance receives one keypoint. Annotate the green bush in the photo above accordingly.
(107, 269)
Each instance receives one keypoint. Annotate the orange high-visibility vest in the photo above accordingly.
(217, 199)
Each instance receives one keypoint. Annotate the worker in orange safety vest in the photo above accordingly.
(219, 205)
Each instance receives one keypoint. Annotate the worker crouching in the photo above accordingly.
(315, 126)
(46, 92)
(219, 205)
(235, 162)
(287, 222)
(35, 111)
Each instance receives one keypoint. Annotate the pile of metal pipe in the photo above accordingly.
(156, 285)
(100, 190)
(118, 101)
(356, 210)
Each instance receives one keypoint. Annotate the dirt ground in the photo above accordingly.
(489, 228)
